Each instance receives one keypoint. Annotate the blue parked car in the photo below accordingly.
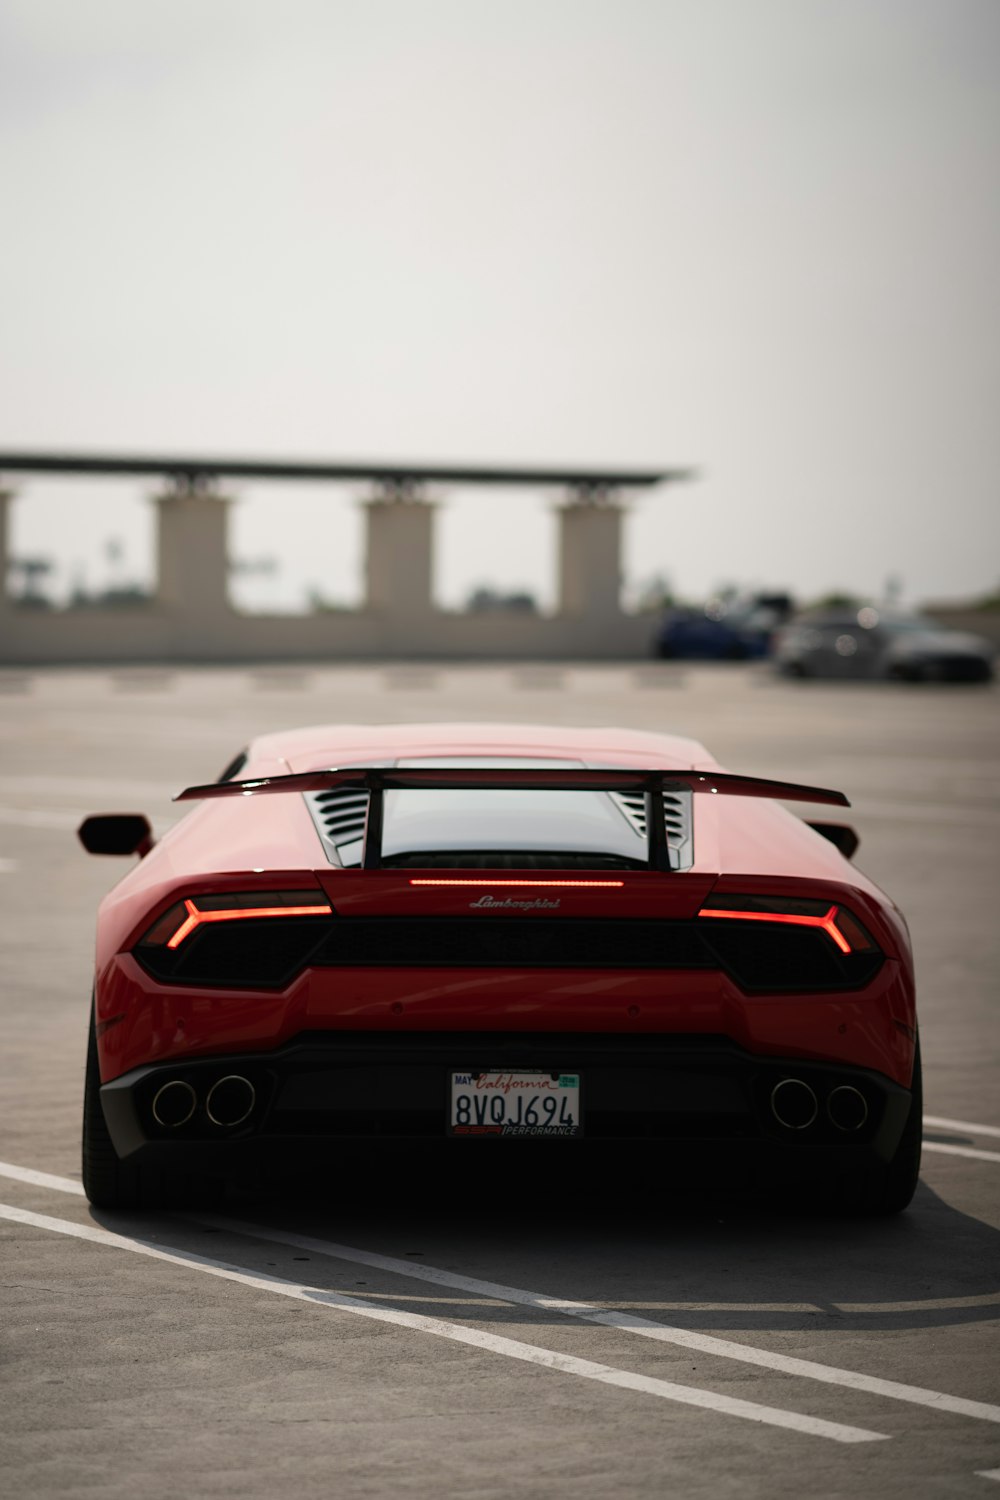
(738, 631)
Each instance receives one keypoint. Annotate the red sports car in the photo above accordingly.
(439, 936)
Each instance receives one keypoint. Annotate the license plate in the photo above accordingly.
(515, 1104)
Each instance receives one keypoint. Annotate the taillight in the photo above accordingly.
(186, 916)
(604, 885)
(839, 925)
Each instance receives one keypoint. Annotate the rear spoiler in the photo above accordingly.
(377, 780)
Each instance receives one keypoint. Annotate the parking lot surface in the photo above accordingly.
(484, 1331)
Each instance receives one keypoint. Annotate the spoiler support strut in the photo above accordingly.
(371, 858)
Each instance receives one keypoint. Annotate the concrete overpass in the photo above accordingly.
(190, 618)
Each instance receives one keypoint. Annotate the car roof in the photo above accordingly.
(331, 744)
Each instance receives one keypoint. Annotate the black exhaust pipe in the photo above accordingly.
(174, 1103)
(230, 1100)
(847, 1108)
(794, 1104)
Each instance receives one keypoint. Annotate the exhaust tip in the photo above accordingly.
(794, 1104)
(174, 1103)
(230, 1100)
(847, 1108)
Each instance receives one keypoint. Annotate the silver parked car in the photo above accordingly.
(868, 642)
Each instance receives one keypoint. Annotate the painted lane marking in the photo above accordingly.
(645, 1327)
(961, 1151)
(31, 817)
(89, 787)
(963, 1125)
(65, 821)
(550, 1359)
(627, 1322)
(927, 1304)
(936, 812)
(987, 1473)
(41, 1179)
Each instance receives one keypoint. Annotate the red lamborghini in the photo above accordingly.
(447, 936)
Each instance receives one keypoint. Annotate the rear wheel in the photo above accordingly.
(111, 1183)
(903, 1172)
(889, 1189)
(106, 1182)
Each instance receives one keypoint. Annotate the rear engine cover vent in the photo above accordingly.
(339, 816)
(676, 815)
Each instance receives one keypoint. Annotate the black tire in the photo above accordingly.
(903, 1172)
(108, 1181)
(889, 1189)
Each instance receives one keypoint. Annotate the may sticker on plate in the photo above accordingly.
(525, 1103)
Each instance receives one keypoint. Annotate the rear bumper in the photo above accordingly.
(143, 1022)
(326, 1095)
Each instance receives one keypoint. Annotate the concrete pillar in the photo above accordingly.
(192, 566)
(590, 566)
(400, 557)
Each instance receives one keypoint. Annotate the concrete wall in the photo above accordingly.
(191, 619)
(155, 633)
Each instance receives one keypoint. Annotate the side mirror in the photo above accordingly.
(116, 833)
(841, 834)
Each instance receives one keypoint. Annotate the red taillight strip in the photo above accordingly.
(603, 885)
(795, 919)
(195, 917)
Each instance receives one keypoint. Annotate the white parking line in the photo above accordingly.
(40, 1179)
(587, 1312)
(567, 1364)
(89, 787)
(32, 817)
(961, 1151)
(628, 1322)
(987, 1473)
(962, 1125)
(62, 821)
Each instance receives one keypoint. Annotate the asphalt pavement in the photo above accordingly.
(493, 1332)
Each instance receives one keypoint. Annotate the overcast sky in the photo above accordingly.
(759, 237)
